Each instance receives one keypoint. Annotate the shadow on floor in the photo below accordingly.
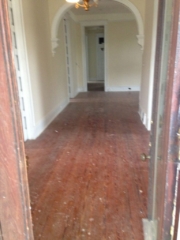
(95, 87)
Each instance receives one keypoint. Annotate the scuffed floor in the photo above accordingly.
(86, 178)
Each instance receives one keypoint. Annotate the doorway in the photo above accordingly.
(94, 41)
(18, 162)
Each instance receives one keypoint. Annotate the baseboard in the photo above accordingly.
(145, 120)
(143, 116)
(149, 229)
(96, 81)
(81, 89)
(123, 89)
(92, 80)
(43, 124)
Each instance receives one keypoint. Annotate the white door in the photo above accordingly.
(71, 74)
(18, 66)
(100, 56)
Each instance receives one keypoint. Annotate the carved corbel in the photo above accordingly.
(141, 41)
(54, 44)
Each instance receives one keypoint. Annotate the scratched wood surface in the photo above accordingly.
(15, 218)
(86, 177)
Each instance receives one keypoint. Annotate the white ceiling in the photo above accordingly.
(104, 7)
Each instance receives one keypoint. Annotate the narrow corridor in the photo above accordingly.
(86, 178)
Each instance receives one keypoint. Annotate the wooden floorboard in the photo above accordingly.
(86, 178)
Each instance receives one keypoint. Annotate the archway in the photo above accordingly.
(66, 6)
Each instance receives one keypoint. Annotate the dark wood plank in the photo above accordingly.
(87, 180)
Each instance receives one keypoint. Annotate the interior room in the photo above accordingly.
(88, 92)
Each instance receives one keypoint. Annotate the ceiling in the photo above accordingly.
(104, 7)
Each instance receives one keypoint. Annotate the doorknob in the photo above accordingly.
(144, 157)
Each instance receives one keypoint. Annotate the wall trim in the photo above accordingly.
(94, 80)
(66, 6)
(123, 89)
(85, 75)
(144, 119)
(80, 89)
(23, 59)
(152, 63)
(55, 25)
(111, 17)
(43, 124)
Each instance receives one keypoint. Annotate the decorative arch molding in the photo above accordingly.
(55, 25)
(139, 20)
(60, 13)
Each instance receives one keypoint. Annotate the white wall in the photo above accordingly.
(59, 73)
(76, 58)
(124, 57)
(47, 73)
(123, 54)
(55, 5)
(148, 63)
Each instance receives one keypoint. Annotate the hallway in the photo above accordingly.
(86, 178)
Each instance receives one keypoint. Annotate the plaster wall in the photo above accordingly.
(124, 56)
(148, 63)
(55, 5)
(47, 73)
(59, 71)
(38, 47)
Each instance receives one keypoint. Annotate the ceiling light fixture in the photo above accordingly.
(85, 3)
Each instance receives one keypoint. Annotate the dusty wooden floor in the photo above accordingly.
(86, 177)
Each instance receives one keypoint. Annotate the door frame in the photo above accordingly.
(16, 6)
(15, 214)
(166, 223)
(84, 57)
(67, 39)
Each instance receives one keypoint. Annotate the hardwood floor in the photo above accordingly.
(86, 178)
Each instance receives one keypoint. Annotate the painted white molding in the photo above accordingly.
(55, 44)
(55, 25)
(94, 80)
(94, 23)
(23, 60)
(80, 89)
(111, 17)
(152, 64)
(144, 119)
(141, 41)
(43, 124)
(123, 89)
(140, 114)
(73, 17)
(85, 75)
(67, 6)
(136, 13)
